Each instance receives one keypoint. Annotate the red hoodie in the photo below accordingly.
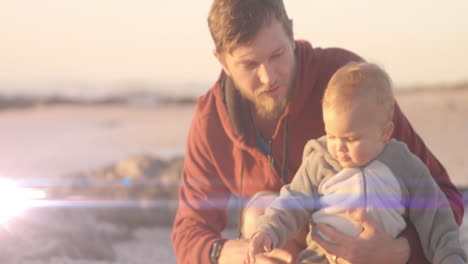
(222, 157)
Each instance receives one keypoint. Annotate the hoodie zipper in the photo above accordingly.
(364, 186)
(282, 171)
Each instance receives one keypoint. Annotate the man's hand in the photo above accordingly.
(234, 252)
(373, 245)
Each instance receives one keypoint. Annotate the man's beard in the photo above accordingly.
(271, 108)
(267, 107)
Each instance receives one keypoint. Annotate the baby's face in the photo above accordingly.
(354, 136)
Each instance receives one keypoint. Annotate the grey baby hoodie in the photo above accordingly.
(394, 187)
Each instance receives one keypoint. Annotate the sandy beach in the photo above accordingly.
(52, 141)
(440, 118)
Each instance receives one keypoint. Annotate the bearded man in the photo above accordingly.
(248, 133)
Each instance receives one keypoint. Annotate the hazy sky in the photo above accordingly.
(147, 40)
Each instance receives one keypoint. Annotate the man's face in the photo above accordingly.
(263, 69)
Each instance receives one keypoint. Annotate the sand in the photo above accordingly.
(441, 119)
(50, 141)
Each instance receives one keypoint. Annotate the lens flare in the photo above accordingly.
(15, 199)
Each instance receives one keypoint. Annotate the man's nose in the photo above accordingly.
(267, 74)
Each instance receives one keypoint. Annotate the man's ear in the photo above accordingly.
(221, 60)
(388, 131)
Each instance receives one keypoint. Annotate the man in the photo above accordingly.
(248, 134)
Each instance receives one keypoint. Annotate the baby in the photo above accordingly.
(356, 165)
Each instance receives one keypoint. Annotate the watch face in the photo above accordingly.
(215, 251)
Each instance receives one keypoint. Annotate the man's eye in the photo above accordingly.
(277, 55)
(250, 65)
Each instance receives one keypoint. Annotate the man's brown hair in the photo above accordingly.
(233, 22)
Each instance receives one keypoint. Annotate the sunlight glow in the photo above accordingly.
(15, 199)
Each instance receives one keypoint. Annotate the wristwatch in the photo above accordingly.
(215, 250)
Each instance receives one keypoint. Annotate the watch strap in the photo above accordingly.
(215, 251)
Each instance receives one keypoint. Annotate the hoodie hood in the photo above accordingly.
(320, 145)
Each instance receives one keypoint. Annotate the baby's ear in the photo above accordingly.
(388, 131)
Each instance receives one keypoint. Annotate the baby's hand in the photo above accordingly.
(260, 242)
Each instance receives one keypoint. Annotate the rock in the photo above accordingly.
(43, 233)
(135, 168)
(136, 191)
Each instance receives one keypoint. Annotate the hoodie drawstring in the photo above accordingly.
(284, 165)
(240, 204)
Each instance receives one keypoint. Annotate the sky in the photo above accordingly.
(102, 41)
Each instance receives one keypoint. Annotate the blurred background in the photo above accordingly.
(96, 98)
(89, 46)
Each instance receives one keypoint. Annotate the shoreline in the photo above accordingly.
(154, 99)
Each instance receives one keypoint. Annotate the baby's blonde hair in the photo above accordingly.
(356, 80)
